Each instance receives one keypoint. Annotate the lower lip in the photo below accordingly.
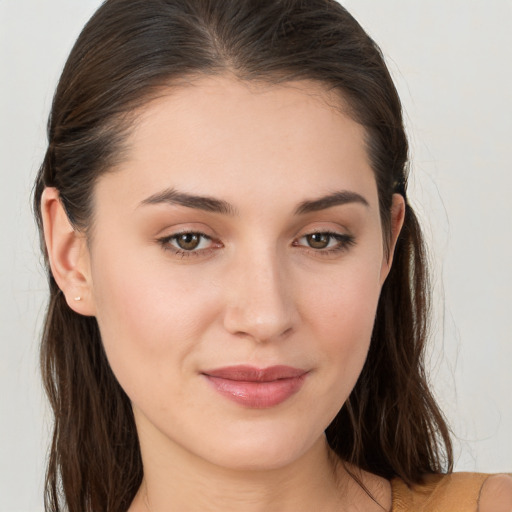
(257, 395)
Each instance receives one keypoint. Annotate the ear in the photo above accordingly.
(68, 254)
(397, 221)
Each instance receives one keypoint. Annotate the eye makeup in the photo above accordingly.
(326, 243)
(189, 244)
(195, 243)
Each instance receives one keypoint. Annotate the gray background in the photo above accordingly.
(452, 64)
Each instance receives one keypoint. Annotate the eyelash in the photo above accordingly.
(165, 242)
(344, 243)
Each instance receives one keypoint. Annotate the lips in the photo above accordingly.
(257, 387)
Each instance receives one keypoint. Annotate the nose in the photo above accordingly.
(260, 301)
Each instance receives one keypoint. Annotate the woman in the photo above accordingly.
(238, 287)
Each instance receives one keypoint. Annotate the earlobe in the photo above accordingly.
(68, 254)
(397, 222)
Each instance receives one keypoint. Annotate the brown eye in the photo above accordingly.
(188, 241)
(325, 242)
(318, 240)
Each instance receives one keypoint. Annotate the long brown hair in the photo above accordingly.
(126, 53)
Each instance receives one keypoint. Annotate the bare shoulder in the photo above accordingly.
(496, 494)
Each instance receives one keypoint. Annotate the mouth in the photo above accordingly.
(257, 388)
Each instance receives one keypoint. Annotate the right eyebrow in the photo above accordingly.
(173, 196)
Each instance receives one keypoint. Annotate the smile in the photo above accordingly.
(254, 387)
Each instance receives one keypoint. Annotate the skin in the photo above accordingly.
(255, 291)
(496, 494)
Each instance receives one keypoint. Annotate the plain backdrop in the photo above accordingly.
(451, 61)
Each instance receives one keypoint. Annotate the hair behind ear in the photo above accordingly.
(391, 424)
(94, 426)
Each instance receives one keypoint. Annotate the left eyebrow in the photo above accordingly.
(335, 199)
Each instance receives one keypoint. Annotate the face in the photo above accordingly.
(235, 266)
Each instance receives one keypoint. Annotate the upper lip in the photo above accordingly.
(253, 374)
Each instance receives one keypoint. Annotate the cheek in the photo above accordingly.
(342, 316)
(150, 319)
(344, 307)
(144, 298)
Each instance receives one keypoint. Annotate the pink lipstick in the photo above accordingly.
(258, 388)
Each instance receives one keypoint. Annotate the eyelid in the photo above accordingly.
(165, 242)
(345, 241)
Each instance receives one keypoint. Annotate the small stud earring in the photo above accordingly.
(78, 298)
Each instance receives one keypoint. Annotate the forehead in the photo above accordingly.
(289, 139)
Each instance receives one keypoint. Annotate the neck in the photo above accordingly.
(181, 482)
(177, 479)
